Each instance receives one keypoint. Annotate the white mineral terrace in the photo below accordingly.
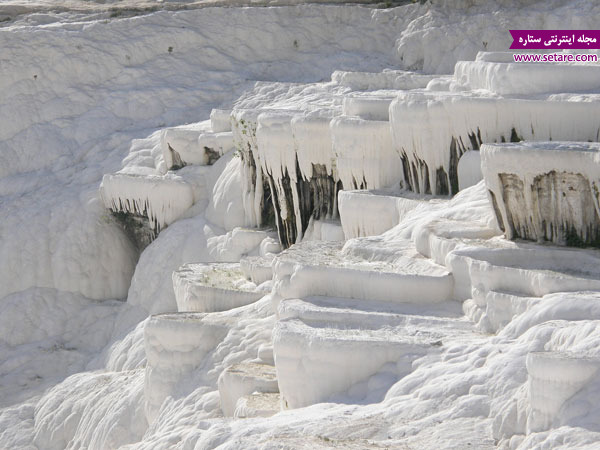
(320, 268)
(257, 269)
(327, 347)
(162, 199)
(213, 287)
(550, 194)
(372, 212)
(240, 380)
(176, 344)
(303, 226)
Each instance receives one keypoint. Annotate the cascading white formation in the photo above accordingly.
(146, 203)
(296, 156)
(256, 190)
(151, 192)
(545, 191)
(433, 128)
(297, 160)
(289, 169)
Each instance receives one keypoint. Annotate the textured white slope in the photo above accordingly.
(61, 239)
(457, 29)
(46, 335)
(555, 377)
(77, 93)
(63, 418)
(82, 91)
(470, 387)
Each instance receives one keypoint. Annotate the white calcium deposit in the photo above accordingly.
(324, 264)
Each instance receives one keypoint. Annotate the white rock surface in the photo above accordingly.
(554, 378)
(162, 199)
(80, 88)
(176, 344)
(372, 212)
(469, 169)
(320, 268)
(387, 79)
(257, 405)
(524, 269)
(220, 120)
(365, 156)
(465, 120)
(257, 269)
(324, 347)
(371, 106)
(545, 191)
(242, 380)
(212, 287)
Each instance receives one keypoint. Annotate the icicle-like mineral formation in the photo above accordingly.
(297, 161)
(145, 204)
(256, 190)
(545, 191)
(433, 130)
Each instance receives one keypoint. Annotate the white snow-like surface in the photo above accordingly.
(387, 79)
(365, 156)
(225, 208)
(176, 344)
(324, 230)
(312, 137)
(320, 268)
(554, 377)
(212, 287)
(465, 120)
(61, 240)
(257, 268)
(244, 124)
(469, 169)
(244, 379)
(373, 212)
(339, 344)
(369, 106)
(257, 404)
(63, 418)
(197, 144)
(314, 364)
(549, 194)
(161, 199)
(86, 95)
(534, 270)
(184, 141)
(220, 120)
